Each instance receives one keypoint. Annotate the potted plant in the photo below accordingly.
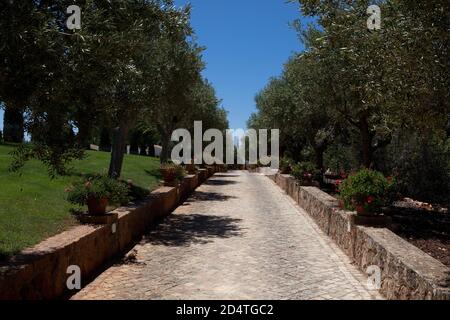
(97, 192)
(366, 192)
(305, 173)
(191, 168)
(172, 174)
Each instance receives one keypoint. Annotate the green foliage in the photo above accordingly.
(56, 161)
(131, 61)
(366, 191)
(33, 206)
(98, 187)
(1, 136)
(352, 91)
(180, 173)
(341, 158)
(305, 172)
(286, 165)
(421, 166)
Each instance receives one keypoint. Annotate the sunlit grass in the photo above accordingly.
(33, 206)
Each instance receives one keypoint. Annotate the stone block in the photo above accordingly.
(408, 273)
(108, 218)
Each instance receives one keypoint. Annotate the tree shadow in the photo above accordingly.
(185, 230)
(226, 176)
(154, 173)
(15, 260)
(220, 182)
(208, 196)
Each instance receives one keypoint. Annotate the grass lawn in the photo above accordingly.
(33, 206)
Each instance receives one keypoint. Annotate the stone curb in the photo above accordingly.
(40, 272)
(407, 273)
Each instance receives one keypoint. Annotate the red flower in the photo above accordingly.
(370, 199)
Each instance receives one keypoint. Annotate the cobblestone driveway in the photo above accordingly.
(238, 237)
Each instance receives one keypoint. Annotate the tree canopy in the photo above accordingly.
(362, 90)
(133, 62)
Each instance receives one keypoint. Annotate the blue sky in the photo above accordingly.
(247, 42)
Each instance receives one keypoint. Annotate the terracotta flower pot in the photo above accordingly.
(169, 176)
(97, 207)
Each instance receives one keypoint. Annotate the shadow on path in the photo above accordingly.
(226, 176)
(220, 182)
(184, 230)
(208, 196)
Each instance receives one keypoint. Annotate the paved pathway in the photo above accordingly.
(238, 237)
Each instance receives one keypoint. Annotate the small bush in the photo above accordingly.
(172, 173)
(366, 191)
(286, 165)
(98, 187)
(305, 172)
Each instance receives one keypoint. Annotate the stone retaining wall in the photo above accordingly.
(407, 272)
(41, 272)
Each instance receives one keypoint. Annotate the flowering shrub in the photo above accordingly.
(366, 191)
(305, 172)
(337, 185)
(98, 187)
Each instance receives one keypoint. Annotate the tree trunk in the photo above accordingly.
(120, 135)
(366, 140)
(165, 148)
(319, 152)
(13, 125)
